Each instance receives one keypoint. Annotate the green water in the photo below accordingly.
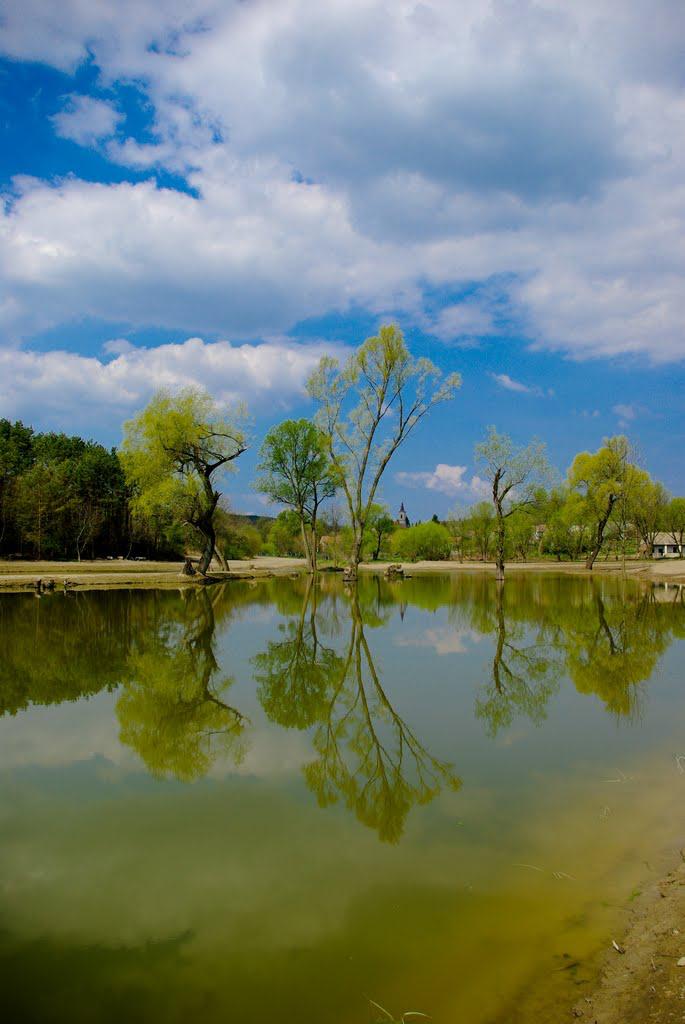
(277, 801)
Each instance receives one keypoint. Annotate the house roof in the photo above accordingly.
(663, 538)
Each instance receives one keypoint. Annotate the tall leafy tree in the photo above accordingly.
(516, 475)
(602, 480)
(367, 409)
(295, 471)
(647, 505)
(173, 454)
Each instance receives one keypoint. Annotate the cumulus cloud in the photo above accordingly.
(86, 120)
(362, 154)
(449, 480)
(66, 385)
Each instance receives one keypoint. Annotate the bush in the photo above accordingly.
(427, 540)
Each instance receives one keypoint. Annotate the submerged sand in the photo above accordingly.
(643, 981)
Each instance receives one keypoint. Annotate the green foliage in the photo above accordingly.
(174, 451)
(60, 497)
(367, 409)
(295, 470)
(379, 528)
(285, 536)
(426, 540)
(603, 481)
(516, 476)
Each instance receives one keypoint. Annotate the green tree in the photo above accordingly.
(367, 410)
(600, 479)
(648, 502)
(479, 527)
(295, 471)
(174, 451)
(674, 522)
(380, 525)
(285, 536)
(429, 540)
(515, 474)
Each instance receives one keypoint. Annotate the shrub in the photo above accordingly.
(426, 540)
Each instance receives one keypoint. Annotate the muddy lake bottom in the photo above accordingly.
(278, 800)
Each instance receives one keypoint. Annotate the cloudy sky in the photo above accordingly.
(218, 191)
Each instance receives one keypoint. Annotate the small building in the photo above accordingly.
(665, 546)
(402, 518)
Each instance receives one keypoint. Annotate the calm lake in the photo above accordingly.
(275, 802)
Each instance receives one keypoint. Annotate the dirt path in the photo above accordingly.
(645, 984)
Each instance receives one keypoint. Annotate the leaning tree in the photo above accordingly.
(173, 454)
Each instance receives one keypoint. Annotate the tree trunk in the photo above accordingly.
(207, 529)
(499, 562)
(599, 540)
(351, 572)
(308, 549)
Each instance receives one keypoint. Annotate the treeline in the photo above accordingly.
(158, 496)
(62, 497)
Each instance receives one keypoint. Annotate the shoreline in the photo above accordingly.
(642, 980)
(101, 575)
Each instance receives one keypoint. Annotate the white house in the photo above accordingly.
(665, 546)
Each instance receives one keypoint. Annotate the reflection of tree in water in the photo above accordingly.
(172, 711)
(614, 648)
(295, 671)
(366, 753)
(607, 639)
(525, 674)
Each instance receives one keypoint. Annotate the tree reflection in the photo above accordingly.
(614, 648)
(172, 710)
(294, 672)
(525, 674)
(367, 755)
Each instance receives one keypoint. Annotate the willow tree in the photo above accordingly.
(367, 409)
(516, 476)
(295, 471)
(603, 480)
(173, 454)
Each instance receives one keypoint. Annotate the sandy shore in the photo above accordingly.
(100, 574)
(643, 982)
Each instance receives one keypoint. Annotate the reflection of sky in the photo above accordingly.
(248, 866)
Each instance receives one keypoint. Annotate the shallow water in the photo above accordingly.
(276, 802)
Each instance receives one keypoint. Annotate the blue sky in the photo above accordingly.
(218, 193)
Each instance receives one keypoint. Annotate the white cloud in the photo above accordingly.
(509, 384)
(625, 412)
(86, 120)
(442, 639)
(446, 479)
(355, 154)
(79, 388)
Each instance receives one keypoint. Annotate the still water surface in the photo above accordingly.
(277, 801)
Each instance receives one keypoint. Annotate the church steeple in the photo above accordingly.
(402, 517)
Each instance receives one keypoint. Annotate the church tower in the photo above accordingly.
(402, 518)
